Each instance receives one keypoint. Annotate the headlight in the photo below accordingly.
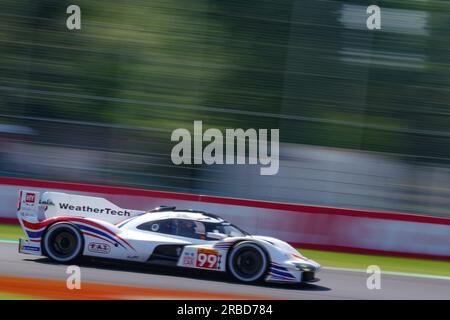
(304, 267)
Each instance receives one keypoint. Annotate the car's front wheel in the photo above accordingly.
(247, 262)
(63, 242)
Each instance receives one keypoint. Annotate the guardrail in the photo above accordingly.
(326, 228)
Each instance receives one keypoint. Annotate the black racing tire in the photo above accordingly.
(63, 242)
(248, 262)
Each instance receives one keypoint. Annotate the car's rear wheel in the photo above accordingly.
(63, 242)
(247, 262)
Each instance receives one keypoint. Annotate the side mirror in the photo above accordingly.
(216, 236)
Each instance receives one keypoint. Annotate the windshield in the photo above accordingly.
(226, 228)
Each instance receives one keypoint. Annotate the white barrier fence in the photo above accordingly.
(307, 226)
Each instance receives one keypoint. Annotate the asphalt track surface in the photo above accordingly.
(333, 284)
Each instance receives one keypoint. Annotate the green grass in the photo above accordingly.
(13, 296)
(386, 263)
(329, 259)
(10, 232)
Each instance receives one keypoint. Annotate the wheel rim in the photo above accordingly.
(63, 243)
(248, 263)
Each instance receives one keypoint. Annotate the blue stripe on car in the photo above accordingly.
(281, 273)
(98, 232)
(34, 235)
(278, 267)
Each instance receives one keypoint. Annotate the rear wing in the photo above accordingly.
(28, 207)
(34, 206)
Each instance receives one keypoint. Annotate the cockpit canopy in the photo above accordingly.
(189, 223)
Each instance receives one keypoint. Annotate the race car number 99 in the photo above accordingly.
(207, 259)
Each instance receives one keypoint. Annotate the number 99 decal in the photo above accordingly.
(207, 259)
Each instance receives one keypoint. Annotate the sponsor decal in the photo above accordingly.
(99, 248)
(30, 198)
(46, 203)
(207, 251)
(30, 248)
(67, 206)
(189, 259)
(207, 259)
(25, 247)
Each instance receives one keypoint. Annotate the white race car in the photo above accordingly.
(65, 227)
